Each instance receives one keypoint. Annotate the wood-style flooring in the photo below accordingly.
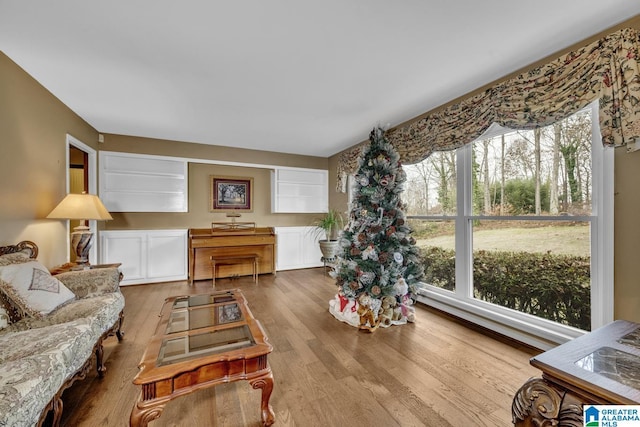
(435, 372)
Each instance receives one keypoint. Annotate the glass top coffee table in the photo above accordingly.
(201, 341)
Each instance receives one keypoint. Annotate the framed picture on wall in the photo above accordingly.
(231, 193)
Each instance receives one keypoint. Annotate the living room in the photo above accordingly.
(35, 125)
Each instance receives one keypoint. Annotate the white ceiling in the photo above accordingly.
(304, 77)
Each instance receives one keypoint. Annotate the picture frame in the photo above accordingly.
(231, 194)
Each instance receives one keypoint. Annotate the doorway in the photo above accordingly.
(81, 176)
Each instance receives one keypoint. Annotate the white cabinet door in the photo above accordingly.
(297, 248)
(167, 255)
(147, 256)
(127, 248)
(299, 190)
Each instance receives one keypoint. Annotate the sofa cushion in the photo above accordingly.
(70, 341)
(91, 283)
(31, 287)
(35, 365)
(26, 387)
(100, 312)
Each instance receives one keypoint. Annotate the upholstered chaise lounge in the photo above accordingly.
(50, 329)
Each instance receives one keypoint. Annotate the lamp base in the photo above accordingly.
(81, 243)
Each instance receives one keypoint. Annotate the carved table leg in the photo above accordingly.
(538, 403)
(141, 415)
(266, 384)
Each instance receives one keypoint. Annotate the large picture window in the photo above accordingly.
(604, 72)
(515, 229)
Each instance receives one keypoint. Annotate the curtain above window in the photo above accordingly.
(607, 70)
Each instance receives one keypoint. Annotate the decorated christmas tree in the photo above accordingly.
(378, 269)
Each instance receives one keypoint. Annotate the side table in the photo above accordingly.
(599, 368)
(72, 266)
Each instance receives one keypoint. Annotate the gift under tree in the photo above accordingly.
(378, 269)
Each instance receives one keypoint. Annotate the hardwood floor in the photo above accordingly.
(435, 372)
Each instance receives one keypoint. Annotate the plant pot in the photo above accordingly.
(329, 248)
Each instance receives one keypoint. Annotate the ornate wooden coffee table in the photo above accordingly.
(202, 341)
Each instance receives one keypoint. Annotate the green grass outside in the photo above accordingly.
(556, 239)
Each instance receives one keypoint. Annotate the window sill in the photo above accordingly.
(531, 330)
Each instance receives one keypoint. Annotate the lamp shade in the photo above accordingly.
(80, 206)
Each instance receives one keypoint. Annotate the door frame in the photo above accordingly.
(92, 187)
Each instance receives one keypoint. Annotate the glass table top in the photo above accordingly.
(631, 339)
(185, 347)
(199, 300)
(203, 317)
(193, 312)
(216, 330)
(201, 325)
(614, 364)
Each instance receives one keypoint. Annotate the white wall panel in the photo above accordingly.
(299, 190)
(143, 183)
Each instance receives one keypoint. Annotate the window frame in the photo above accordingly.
(529, 329)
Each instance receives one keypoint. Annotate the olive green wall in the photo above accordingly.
(626, 204)
(163, 147)
(626, 236)
(199, 172)
(33, 129)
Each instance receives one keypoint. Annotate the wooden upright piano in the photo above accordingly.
(207, 242)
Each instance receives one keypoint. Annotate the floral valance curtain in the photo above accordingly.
(607, 70)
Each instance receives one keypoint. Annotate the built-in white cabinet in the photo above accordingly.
(143, 183)
(297, 248)
(299, 190)
(147, 256)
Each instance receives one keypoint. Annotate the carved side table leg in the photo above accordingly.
(538, 403)
(141, 415)
(266, 384)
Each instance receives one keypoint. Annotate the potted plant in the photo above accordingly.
(328, 226)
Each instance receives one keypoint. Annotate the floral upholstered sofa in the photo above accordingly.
(50, 328)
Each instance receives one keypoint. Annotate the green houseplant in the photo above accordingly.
(329, 227)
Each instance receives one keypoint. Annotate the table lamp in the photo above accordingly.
(82, 207)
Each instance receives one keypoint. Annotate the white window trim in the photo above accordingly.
(529, 329)
(602, 241)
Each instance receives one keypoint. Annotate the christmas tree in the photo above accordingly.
(379, 269)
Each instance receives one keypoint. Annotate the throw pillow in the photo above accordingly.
(14, 258)
(6, 305)
(33, 289)
(4, 318)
